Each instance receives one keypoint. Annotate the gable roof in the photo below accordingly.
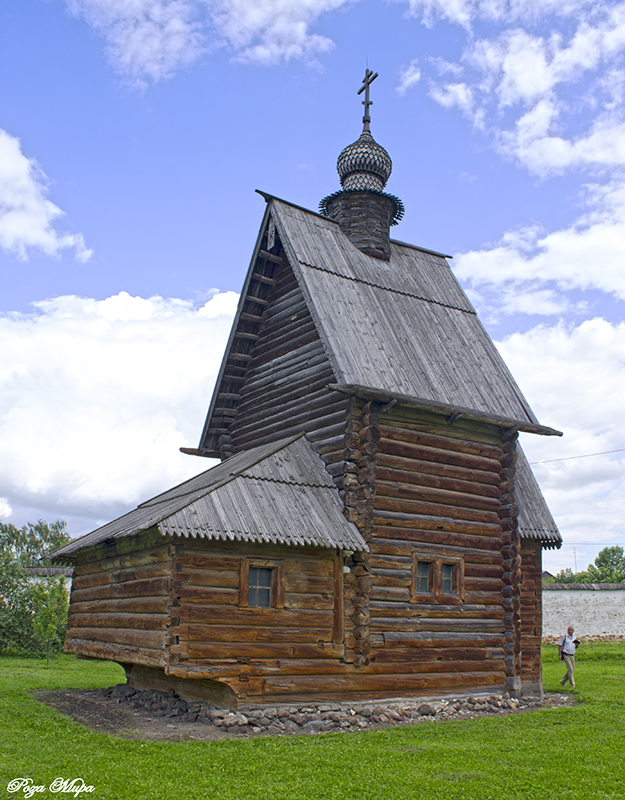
(278, 493)
(402, 328)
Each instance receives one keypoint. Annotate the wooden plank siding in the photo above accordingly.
(120, 601)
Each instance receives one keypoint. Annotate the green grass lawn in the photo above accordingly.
(564, 753)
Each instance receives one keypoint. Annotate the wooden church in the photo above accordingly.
(373, 529)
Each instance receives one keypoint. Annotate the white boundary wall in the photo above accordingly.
(594, 609)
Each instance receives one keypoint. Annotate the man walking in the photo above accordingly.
(566, 651)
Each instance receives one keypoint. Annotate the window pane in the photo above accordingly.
(423, 577)
(260, 587)
(448, 574)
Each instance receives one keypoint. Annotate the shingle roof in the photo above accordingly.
(535, 520)
(278, 493)
(403, 326)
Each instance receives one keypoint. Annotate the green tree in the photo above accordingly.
(609, 566)
(21, 548)
(51, 601)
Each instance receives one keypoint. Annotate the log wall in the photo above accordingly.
(277, 370)
(531, 616)
(261, 653)
(120, 601)
(415, 484)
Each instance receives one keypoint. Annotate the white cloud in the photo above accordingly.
(548, 93)
(585, 255)
(574, 378)
(5, 509)
(467, 12)
(269, 31)
(96, 397)
(27, 217)
(409, 76)
(147, 40)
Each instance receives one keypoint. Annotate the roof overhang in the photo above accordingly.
(452, 413)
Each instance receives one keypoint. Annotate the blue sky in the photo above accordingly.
(133, 134)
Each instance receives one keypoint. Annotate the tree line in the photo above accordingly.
(609, 567)
(33, 610)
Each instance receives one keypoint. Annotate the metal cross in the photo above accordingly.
(370, 76)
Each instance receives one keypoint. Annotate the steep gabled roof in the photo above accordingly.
(403, 327)
(278, 493)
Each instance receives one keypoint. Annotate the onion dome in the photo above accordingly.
(364, 165)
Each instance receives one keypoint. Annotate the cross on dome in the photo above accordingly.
(370, 76)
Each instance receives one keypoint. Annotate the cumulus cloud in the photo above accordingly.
(574, 378)
(585, 255)
(467, 12)
(409, 76)
(27, 217)
(268, 31)
(547, 82)
(96, 397)
(149, 40)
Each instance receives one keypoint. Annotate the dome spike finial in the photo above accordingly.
(370, 76)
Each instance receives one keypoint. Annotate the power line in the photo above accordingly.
(585, 455)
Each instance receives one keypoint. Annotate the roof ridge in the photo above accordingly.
(386, 288)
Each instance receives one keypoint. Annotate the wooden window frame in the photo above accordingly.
(435, 593)
(277, 583)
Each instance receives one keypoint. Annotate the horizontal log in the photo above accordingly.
(393, 685)
(126, 605)
(404, 506)
(489, 546)
(109, 651)
(258, 276)
(261, 301)
(441, 639)
(142, 572)
(445, 497)
(212, 634)
(261, 650)
(104, 619)
(437, 454)
(154, 640)
(147, 588)
(245, 357)
(245, 315)
(438, 468)
(318, 417)
(380, 609)
(429, 521)
(269, 257)
(431, 423)
(440, 441)
(448, 623)
(209, 578)
(152, 556)
(313, 584)
(261, 617)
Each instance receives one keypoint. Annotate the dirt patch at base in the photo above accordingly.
(116, 719)
(108, 716)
